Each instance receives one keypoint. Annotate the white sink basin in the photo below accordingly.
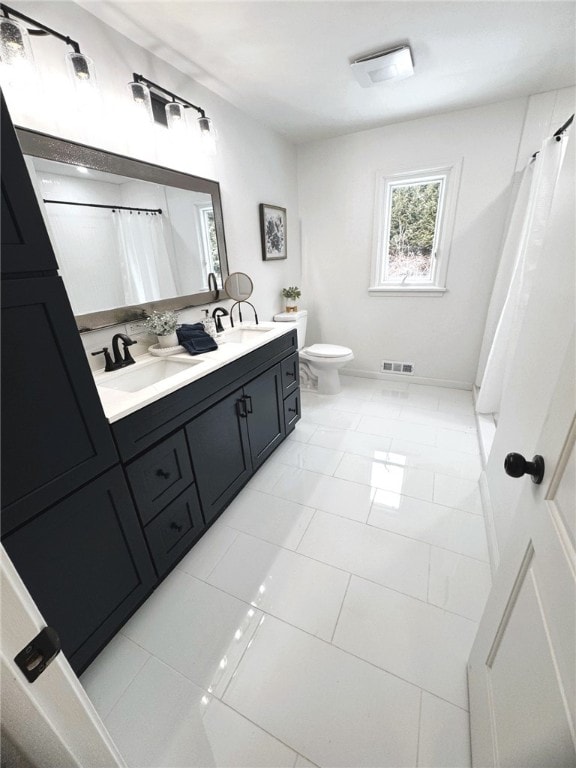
(244, 335)
(135, 379)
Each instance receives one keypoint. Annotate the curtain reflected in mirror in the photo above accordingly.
(129, 237)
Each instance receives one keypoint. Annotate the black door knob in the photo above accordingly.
(516, 465)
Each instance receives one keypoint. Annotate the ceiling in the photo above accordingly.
(287, 63)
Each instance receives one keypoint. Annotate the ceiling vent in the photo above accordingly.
(393, 64)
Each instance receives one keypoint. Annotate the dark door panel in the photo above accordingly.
(265, 414)
(219, 448)
(55, 436)
(86, 565)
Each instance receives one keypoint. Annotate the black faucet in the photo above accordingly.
(119, 361)
(218, 313)
(239, 305)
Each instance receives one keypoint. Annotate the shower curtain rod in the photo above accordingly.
(559, 132)
(112, 207)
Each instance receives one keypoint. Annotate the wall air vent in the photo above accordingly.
(392, 64)
(392, 366)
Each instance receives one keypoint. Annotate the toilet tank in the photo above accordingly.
(298, 319)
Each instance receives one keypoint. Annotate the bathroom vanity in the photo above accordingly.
(107, 483)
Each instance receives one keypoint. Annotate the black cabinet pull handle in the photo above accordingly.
(163, 473)
(292, 410)
(241, 408)
(176, 527)
(516, 465)
(292, 374)
(248, 401)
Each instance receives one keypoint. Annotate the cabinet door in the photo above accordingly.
(86, 565)
(26, 246)
(266, 430)
(55, 436)
(218, 441)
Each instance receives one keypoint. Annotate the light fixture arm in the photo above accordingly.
(173, 96)
(41, 29)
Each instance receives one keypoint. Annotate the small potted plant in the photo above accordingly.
(163, 324)
(291, 295)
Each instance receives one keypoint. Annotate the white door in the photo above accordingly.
(50, 722)
(522, 670)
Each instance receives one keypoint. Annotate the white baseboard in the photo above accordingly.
(406, 379)
(489, 522)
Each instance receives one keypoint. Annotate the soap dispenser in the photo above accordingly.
(209, 324)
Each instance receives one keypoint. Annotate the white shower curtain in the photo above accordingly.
(522, 248)
(147, 273)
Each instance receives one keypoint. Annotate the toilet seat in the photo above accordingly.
(327, 350)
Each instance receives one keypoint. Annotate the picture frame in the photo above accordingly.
(273, 232)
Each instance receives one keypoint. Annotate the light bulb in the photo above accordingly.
(207, 135)
(175, 116)
(142, 100)
(82, 72)
(15, 52)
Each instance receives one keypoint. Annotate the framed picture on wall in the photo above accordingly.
(273, 232)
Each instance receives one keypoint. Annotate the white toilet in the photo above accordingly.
(323, 360)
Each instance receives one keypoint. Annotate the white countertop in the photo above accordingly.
(118, 403)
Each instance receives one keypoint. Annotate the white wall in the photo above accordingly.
(337, 184)
(253, 164)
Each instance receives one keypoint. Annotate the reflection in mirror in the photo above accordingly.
(239, 286)
(129, 237)
(122, 241)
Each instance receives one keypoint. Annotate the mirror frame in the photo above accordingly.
(48, 147)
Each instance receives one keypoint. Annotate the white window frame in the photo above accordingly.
(434, 285)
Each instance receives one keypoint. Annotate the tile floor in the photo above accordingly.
(326, 618)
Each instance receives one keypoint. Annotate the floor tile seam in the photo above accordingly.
(241, 657)
(420, 541)
(393, 674)
(299, 629)
(430, 501)
(393, 533)
(395, 437)
(312, 516)
(223, 555)
(125, 688)
(261, 728)
(413, 597)
(219, 698)
(131, 683)
(267, 612)
(419, 729)
(379, 583)
(340, 610)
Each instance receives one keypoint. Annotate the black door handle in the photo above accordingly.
(248, 403)
(241, 408)
(162, 473)
(516, 465)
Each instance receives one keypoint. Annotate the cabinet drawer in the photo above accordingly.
(161, 474)
(292, 411)
(175, 529)
(290, 374)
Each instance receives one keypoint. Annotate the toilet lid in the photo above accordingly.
(328, 350)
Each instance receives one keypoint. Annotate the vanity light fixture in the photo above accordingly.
(16, 51)
(141, 89)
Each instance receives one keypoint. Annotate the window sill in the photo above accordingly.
(408, 290)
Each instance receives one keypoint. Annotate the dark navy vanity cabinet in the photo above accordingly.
(95, 515)
(68, 520)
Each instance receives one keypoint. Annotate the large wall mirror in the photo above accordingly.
(129, 236)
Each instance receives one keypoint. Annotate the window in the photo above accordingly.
(208, 242)
(414, 221)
